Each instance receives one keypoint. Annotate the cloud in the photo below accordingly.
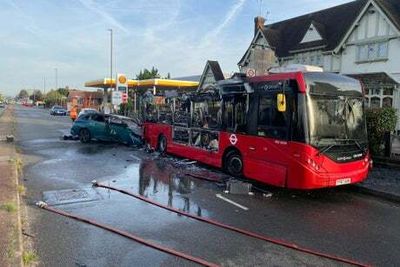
(230, 16)
(89, 4)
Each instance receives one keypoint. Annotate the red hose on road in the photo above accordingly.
(235, 229)
(43, 205)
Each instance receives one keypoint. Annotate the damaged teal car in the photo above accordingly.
(109, 128)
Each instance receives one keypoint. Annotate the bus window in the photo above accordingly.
(228, 114)
(235, 113)
(181, 135)
(271, 122)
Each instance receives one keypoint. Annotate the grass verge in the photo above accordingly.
(29, 257)
(9, 207)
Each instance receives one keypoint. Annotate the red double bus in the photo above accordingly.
(299, 130)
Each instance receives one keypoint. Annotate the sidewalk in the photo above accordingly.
(382, 182)
(10, 224)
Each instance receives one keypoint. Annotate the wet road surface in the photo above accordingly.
(335, 221)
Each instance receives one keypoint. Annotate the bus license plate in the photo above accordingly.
(343, 181)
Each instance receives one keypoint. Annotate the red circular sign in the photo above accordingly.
(250, 73)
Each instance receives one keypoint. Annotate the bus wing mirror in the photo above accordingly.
(281, 102)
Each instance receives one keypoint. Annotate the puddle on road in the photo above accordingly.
(162, 182)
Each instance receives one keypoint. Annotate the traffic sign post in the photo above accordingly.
(116, 98)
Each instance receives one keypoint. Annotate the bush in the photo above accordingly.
(379, 121)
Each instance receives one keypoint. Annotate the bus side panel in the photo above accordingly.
(201, 155)
(263, 159)
(152, 131)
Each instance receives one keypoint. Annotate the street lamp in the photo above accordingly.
(105, 99)
(56, 77)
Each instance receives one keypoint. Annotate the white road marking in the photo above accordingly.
(231, 202)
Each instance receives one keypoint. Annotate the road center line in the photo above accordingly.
(231, 202)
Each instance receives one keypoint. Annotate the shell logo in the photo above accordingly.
(122, 79)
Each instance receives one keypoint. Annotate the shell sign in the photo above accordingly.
(122, 79)
(122, 83)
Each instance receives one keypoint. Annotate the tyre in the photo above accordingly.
(162, 144)
(84, 136)
(234, 163)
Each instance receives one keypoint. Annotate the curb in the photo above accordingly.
(377, 193)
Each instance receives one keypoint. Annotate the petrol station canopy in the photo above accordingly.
(145, 84)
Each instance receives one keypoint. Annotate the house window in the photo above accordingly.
(387, 102)
(372, 51)
(388, 91)
(375, 102)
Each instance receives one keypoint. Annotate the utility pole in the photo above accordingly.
(111, 57)
(56, 77)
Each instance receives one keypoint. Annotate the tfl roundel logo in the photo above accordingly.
(233, 139)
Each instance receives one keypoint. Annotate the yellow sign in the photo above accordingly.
(122, 79)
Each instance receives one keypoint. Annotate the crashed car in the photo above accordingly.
(110, 128)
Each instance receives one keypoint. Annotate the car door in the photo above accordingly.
(118, 130)
(97, 127)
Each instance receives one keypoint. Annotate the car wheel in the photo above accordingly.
(234, 163)
(84, 136)
(162, 144)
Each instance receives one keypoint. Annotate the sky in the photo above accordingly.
(71, 37)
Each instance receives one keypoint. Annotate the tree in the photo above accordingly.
(23, 94)
(63, 91)
(37, 95)
(53, 98)
(148, 74)
(1, 98)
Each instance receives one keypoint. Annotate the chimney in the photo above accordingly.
(258, 23)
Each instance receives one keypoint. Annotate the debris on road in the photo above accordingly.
(238, 187)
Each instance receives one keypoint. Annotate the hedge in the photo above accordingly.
(379, 121)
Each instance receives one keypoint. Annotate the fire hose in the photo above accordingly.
(236, 229)
(173, 252)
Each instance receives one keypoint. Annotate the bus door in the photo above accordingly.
(268, 149)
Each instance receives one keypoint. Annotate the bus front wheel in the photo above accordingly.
(162, 144)
(234, 163)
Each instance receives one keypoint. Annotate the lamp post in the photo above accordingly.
(56, 77)
(111, 66)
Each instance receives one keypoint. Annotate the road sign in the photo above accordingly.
(122, 83)
(124, 98)
(250, 72)
(116, 98)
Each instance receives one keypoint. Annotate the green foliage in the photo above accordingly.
(125, 108)
(379, 121)
(37, 95)
(54, 98)
(148, 74)
(63, 91)
(1, 98)
(23, 94)
(29, 257)
(9, 207)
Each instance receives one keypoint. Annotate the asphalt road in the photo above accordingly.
(335, 221)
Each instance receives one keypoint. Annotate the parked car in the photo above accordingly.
(2, 105)
(86, 111)
(58, 111)
(105, 127)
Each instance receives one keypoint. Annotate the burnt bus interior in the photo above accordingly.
(329, 116)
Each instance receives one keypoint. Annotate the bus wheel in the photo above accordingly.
(162, 144)
(84, 136)
(234, 163)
